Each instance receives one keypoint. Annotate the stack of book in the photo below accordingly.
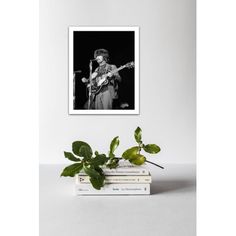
(126, 179)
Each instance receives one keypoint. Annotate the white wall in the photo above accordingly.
(167, 78)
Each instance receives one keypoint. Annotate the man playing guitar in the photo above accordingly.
(104, 98)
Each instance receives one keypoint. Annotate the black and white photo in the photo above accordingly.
(103, 70)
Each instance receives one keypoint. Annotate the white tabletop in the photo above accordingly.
(170, 210)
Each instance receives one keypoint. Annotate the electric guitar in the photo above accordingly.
(101, 81)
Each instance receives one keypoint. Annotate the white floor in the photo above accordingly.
(169, 211)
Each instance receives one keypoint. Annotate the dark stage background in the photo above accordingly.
(120, 45)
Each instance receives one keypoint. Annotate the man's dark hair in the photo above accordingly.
(102, 52)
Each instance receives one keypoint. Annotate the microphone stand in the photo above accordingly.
(74, 90)
(90, 83)
(74, 83)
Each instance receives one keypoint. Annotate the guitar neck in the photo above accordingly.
(118, 69)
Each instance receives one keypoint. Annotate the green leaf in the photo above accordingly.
(77, 145)
(114, 144)
(85, 152)
(99, 160)
(111, 155)
(130, 152)
(99, 170)
(138, 135)
(151, 148)
(90, 171)
(96, 175)
(97, 182)
(113, 163)
(71, 157)
(72, 170)
(138, 159)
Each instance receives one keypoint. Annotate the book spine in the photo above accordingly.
(117, 179)
(127, 171)
(113, 189)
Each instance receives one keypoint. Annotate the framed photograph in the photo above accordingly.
(103, 70)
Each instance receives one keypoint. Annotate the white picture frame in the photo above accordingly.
(80, 47)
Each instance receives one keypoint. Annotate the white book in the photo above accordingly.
(113, 189)
(142, 179)
(125, 168)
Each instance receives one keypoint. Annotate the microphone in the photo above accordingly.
(77, 71)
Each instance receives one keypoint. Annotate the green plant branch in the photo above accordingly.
(120, 158)
(155, 164)
(85, 160)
